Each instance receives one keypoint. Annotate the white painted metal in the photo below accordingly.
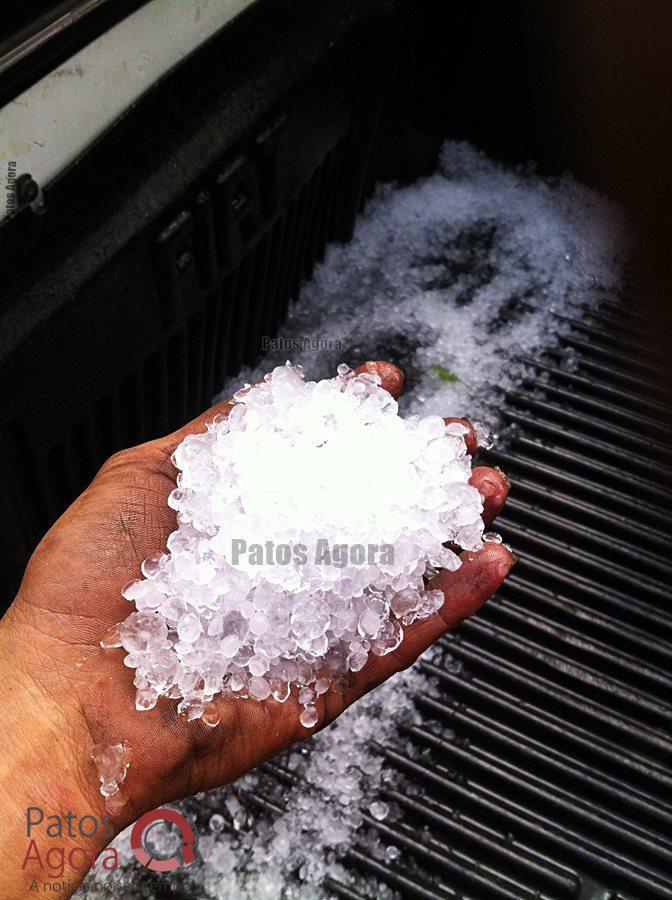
(47, 128)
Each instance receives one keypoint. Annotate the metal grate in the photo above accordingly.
(544, 769)
(541, 769)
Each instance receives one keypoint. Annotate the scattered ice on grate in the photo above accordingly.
(378, 810)
(455, 278)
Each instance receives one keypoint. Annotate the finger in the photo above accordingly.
(392, 378)
(171, 441)
(465, 591)
(470, 438)
(493, 486)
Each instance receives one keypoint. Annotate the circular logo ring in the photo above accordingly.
(186, 848)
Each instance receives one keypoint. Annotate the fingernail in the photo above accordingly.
(390, 373)
(492, 490)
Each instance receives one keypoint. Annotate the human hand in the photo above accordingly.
(66, 694)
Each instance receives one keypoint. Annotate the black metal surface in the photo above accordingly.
(543, 770)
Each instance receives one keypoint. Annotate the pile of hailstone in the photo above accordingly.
(308, 522)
